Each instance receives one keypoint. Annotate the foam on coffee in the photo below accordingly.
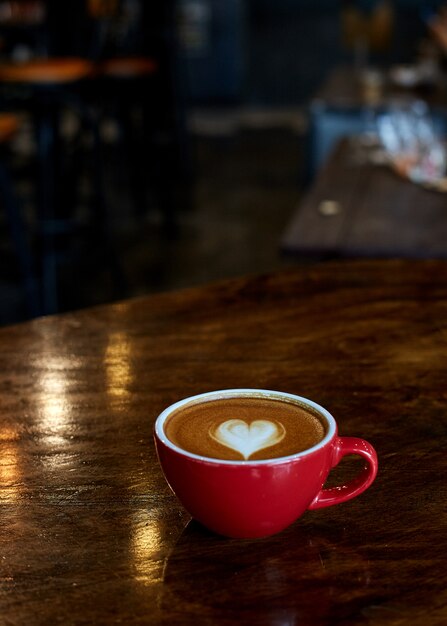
(245, 428)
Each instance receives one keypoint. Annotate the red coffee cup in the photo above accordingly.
(248, 499)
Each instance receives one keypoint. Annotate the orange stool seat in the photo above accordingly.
(46, 71)
(9, 125)
(127, 67)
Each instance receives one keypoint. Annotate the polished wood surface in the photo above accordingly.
(91, 534)
(358, 208)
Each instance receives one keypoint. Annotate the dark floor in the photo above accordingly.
(248, 182)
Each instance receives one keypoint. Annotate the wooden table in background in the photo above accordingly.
(91, 534)
(358, 208)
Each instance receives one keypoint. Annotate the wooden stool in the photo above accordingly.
(127, 68)
(9, 125)
(49, 85)
(128, 85)
(124, 84)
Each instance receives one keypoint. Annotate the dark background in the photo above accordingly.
(234, 84)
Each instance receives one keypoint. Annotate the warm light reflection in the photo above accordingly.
(9, 466)
(117, 363)
(145, 547)
(54, 405)
(9, 434)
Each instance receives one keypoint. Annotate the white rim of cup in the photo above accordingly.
(230, 393)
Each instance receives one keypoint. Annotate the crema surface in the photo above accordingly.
(245, 428)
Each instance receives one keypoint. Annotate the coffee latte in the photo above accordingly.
(244, 428)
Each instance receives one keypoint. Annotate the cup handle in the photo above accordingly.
(342, 493)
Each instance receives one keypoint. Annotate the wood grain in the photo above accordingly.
(91, 534)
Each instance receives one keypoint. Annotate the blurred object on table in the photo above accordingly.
(423, 75)
(347, 105)
(414, 147)
(411, 76)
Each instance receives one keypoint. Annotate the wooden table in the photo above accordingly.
(358, 208)
(91, 534)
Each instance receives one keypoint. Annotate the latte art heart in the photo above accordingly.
(248, 438)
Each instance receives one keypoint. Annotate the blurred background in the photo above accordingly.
(148, 146)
